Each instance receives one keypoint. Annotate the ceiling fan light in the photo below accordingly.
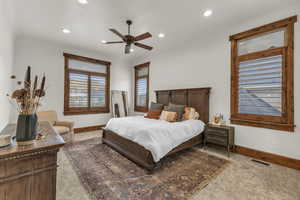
(127, 48)
(103, 42)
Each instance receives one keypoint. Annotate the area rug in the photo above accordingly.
(108, 175)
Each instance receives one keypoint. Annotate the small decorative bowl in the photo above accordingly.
(5, 140)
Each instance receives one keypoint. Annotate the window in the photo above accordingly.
(141, 94)
(86, 85)
(262, 79)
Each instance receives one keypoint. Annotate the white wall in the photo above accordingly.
(6, 61)
(47, 57)
(206, 63)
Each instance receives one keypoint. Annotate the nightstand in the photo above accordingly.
(221, 135)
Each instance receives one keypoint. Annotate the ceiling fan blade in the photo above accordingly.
(114, 42)
(143, 46)
(127, 48)
(117, 33)
(143, 36)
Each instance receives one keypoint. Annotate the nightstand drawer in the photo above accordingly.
(217, 133)
(216, 140)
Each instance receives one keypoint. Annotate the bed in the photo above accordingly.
(194, 97)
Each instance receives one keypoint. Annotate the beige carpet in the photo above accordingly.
(242, 180)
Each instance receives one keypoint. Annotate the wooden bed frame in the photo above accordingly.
(197, 98)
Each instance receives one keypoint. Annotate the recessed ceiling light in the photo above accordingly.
(161, 35)
(103, 41)
(66, 31)
(207, 13)
(131, 50)
(83, 1)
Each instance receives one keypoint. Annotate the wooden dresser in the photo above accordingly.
(29, 172)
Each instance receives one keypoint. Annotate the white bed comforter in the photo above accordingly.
(157, 136)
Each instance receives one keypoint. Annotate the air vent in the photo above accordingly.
(260, 162)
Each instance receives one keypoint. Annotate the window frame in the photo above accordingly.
(136, 77)
(286, 121)
(85, 110)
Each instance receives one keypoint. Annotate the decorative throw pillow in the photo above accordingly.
(153, 114)
(179, 109)
(156, 106)
(190, 114)
(196, 116)
(168, 116)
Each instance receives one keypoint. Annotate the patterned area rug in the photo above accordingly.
(108, 175)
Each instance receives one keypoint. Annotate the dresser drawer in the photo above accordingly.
(27, 164)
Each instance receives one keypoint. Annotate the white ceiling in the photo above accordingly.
(180, 20)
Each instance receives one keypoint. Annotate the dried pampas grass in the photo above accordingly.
(28, 98)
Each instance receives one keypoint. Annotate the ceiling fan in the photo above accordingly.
(129, 39)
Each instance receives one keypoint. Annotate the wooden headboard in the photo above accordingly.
(197, 98)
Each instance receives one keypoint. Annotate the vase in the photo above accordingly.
(26, 129)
